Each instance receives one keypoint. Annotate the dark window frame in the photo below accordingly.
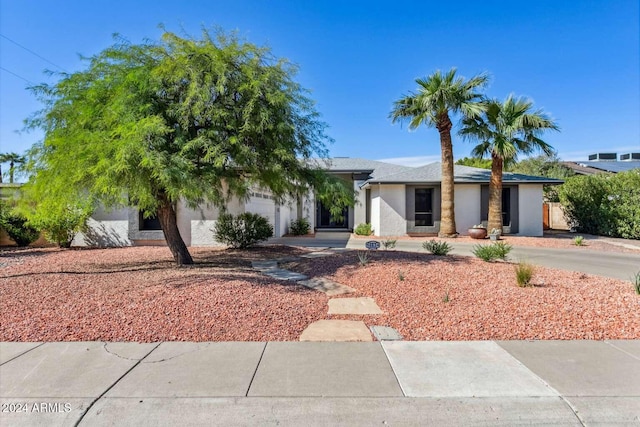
(151, 223)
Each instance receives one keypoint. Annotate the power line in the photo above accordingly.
(17, 75)
(32, 52)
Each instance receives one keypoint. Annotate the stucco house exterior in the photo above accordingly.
(395, 200)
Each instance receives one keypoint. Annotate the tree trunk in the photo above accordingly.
(495, 194)
(167, 217)
(447, 208)
(0, 174)
(11, 172)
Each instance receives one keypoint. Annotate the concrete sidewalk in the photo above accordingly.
(304, 383)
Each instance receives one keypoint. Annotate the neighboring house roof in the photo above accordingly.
(593, 167)
(357, 165)
(432, 173)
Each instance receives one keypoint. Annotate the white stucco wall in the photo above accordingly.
(359, 210)
(106, 228)
(530, 209)
(375, 209)
(392, 211)
(467, 206)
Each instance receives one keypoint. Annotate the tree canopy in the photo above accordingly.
(475, 162)
(503, 131)
(198, 120)
(439, 96)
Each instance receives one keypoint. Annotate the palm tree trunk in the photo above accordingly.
(11, 165)
(0, 174)
(167, 217)
(495, 193)
(447, 208)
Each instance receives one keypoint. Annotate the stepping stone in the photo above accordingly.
(385, 333)
(363, 305)
(288, 259)
(336, 330)
(316, 254)
(327, 286)
(264, 265)
(280, 274)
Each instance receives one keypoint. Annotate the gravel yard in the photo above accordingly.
(138, 294)
(484, 302)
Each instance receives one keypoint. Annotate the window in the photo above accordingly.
(150, 223)
(424, 207)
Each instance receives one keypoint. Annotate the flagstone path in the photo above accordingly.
(332, 329)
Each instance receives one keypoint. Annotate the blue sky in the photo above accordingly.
(578, 60)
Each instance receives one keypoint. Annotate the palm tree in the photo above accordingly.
(438, 96)
(12, 159)
(505, 130)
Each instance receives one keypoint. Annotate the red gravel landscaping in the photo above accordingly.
(138, 294)
(484, 302)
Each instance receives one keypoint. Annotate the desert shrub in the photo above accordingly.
(17, 228)
(484, 252)
(437, 248)
(389, 243)
(242, 231)
(636, 282)
(401, 275)
(446, 297)
(524, 273)
(501, 249)
(578, 240)
(492, 252)
(363, 258)
(299, 227)
(363, 230)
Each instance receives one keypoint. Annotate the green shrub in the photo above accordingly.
(363, 230)
(501, 250)
(18, 229)
(492, 252)
(299, 227)
(400, 275)
(636, 282)
(437, 248)
(389, 244)
(242, 231)
(61, 225)
(578, 240)
(484, 252)
(524, 273)
(607, 205)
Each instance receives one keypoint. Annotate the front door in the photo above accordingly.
(324, 219)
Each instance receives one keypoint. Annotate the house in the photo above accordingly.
(395, 200)
(400, 200)
(605, 163)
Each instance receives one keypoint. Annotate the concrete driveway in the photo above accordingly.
(617, 265)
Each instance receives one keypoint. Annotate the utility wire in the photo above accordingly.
(32, 52)
(17, 75)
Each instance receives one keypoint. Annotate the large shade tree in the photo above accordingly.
(194, 119)
(505, 130)
(438, 97)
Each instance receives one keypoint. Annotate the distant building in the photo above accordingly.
(605, 163)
